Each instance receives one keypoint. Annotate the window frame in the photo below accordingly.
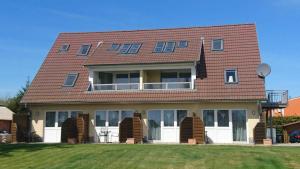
(62, 50)
(183, 41)
(80, 49)
(121, 47)
(115, 49)
(222, 44)
(236, 76)
(139, 45)
(162, 48)
(213, 112)
(73, 84)
(173, 48)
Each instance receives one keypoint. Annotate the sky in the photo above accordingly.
(29, 28)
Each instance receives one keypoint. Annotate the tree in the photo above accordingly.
(14, 104)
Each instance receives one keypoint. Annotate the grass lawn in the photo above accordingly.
(146, 156)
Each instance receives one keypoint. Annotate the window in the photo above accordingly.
(223, 118)
(184, 77)
(64, 48)
(183, 44)
(134, 77)
(71, 79)
(159, 47)
(217, 44)
(115, 47)
(126, 113)
(50, 119)
(134, 48)
(231, 76)
(209, 118)
(62, 116)
(125, 48)
(181, 114)
(84, 49)
(170, 46)
(168, 117)
(168, 76)
(100, 118)
(113, 118)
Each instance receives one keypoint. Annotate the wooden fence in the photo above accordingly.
(131, 127)
(259, 133)
(192, 128)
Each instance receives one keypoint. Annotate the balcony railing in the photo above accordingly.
(116, 86)
(276, 98)
(147, 86)
(167, 85)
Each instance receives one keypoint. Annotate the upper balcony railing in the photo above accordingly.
(116, 86)
(276, 99)
(167, 85)
(146, 86)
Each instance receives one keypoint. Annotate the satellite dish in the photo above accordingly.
(263, 70)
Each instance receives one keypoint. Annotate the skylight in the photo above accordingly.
(170, 46)
(124, 49)
(183, 44)
(70, 79)
(115, 47)
(159, 47)
(64, 48)
(84, 49)
(134, 48)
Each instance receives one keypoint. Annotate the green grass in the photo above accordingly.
(146, 156)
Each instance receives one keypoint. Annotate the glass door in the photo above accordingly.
(154, 127)
(239, 125)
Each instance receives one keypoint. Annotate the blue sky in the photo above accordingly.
(29, 28)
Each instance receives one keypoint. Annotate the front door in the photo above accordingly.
(239, 132)
(154, 126)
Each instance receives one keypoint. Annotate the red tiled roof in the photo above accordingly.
(240, 52)
(293, 108)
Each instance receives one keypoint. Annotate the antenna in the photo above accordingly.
(263, 70)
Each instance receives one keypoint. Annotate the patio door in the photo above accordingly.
(154, 125)
(239, 131)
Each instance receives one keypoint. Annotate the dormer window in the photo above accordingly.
(217, 45)
(64, 48)
(84, 49)
(70, 79)
(231, 76)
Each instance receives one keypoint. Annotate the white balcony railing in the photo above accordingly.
(116, 86)
(167, 85)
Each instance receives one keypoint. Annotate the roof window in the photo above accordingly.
(125, 48)
(70, 79)
(217, 45)
(115, 47)
(170, 46)
(183, 44)
(84, 49)
(134, 48)
(64, 47)
(159, 47)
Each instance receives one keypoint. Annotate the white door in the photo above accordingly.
(218, 126)
(54, 120)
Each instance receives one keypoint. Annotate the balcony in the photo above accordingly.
(276, 99)
(175, 79)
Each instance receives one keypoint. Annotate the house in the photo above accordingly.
(163, 74)
(6, 117)
(292, 109)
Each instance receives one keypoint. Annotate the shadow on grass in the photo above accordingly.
(7, 149)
